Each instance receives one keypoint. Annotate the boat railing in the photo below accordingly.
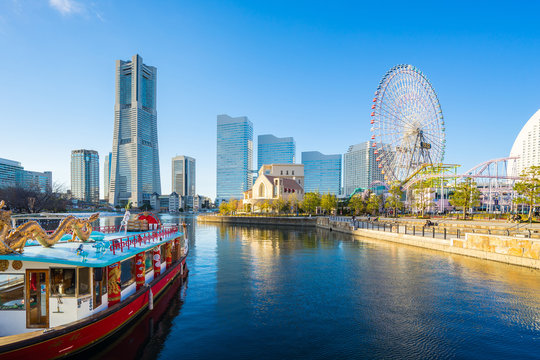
(126, 242)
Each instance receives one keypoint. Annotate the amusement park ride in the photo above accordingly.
(408, 137)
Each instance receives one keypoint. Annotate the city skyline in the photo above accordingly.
(326, 82)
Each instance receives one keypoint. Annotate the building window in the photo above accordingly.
(63, 282)
(127, 275)
(281, 172)
(12, 292)
(287, 172)
(293, 172)
(84, 281)
(261, 191)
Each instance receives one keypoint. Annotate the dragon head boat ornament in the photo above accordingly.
(13, 240)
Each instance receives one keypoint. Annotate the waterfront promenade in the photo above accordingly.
(503, 242)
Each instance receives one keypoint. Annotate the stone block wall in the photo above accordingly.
(504, 245)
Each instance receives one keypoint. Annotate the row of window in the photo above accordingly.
(70, 282)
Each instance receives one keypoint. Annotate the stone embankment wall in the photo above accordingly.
(505, 249)
(504, 245)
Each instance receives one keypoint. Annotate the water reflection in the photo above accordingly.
(267, 292)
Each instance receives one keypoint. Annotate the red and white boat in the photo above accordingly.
(59, 300)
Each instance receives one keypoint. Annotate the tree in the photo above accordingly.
(358, 204)
(224, 208)
(466, 195)
(280, 204)
(394, 200)
(32, 200)
(311, 201)
(328, 202)
(374, 204)
(293, 202)
(233, 205)
(528, 188)
(421, 196)
(265, 205)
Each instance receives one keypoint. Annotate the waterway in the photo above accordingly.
(286, 293)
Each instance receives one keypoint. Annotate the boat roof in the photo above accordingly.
(65, 253)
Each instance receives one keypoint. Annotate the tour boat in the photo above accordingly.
(67, 295)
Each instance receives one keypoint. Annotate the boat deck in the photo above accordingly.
(113, 248)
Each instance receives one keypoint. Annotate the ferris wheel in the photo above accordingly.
(407, 123)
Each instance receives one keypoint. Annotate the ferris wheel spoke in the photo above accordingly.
(407, 116)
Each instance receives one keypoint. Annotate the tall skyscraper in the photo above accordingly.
(360, 168)
(234, 157)
(274, 150)
(85, 175)
(135, 157)
(322, 172)
(107, 175)
(183, 175)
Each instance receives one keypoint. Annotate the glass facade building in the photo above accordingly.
(183, 178)
(322, 173)
(85, 175)
(360, 168)
(234, 157)
(274, 150)
(12, 174)
(135, 156)
(107, 175)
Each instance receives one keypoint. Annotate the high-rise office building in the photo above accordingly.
(135, 158)
(107, 175)
(360, 168)
(183, 178)
(274, 150)
(322, 172)
(12, 174)
(234, 157)
(85, 175)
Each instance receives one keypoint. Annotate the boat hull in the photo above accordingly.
(66, 340)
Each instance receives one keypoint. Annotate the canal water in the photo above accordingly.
(288, 293)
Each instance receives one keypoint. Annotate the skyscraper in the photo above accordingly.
(322, 172)
(360, 168)
(107, 175)
(135, 158)
(234, 157)
(85, 175)
(183, 178)
(274, 150)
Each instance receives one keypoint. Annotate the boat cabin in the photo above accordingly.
(46, 287)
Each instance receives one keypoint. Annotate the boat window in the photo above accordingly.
(100, 285)
(84, 281)
(127, 275)
(63, 282)
(148, 261)
(12, 292)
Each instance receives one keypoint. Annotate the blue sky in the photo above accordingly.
(306, 69)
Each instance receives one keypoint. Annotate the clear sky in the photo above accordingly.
(306, 69)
